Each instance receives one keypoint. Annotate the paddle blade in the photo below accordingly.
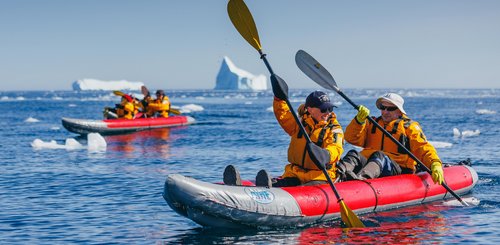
(349, 217)
(145, 91)
(175, 111)
(314, 70)
(119, 93)
(280, 88)
(243, 21)
(318, 155)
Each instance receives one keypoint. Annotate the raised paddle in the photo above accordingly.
(243, 21)
(314, 70)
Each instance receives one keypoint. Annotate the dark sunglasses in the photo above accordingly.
(388, 108)
(328, 109)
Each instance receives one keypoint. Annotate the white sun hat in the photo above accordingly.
(394, 98)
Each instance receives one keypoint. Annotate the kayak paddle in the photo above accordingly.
(243, 22)
(314, 70)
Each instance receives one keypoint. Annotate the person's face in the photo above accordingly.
(317, 114)
(389, 111)
(159, 96)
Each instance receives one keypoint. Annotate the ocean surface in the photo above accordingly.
(58, 194)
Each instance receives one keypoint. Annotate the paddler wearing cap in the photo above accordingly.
(320, 123)
(380, 156)
(159, 107)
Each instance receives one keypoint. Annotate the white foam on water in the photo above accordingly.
(440, 144)
(471, 201)
(270, 109)
(485, 112)
(31, 120)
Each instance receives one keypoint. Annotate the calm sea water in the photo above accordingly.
(115, 196)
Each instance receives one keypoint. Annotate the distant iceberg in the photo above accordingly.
(231, 77)
(94, 84)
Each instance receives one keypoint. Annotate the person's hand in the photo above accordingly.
(363, 113)
(437, 173)
(302, 109)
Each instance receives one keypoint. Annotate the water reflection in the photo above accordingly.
(411, 225)
(147, 143)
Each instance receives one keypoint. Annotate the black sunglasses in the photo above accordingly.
(388, 108)
(328, 109)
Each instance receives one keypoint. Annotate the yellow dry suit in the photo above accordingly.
(126, 109)
(406, 131)
(326, 134)
(160, 106)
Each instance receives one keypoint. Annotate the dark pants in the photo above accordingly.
(387, 166)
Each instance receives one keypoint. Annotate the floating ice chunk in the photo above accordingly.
(270, 109)
(465, 133)
(440, 144)
(31, 120)
(470, 133)
(485, 111)
(191, 108)
(96, 142)
(71, 144)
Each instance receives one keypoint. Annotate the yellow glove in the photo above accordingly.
(437, 172)
(363, 113)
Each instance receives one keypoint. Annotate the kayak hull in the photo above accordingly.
(222, 206)
(118, 126)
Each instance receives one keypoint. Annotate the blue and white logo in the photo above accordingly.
(260, 195)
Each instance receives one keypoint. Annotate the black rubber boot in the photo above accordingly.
(263, 179)
(370, 171)
(345, 170)
(231, 176)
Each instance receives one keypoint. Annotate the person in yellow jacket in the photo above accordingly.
(320, 123)
(159, 107)
(380, 155)
(126, 109)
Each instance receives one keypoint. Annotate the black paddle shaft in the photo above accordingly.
(401, 146)
(313, 150)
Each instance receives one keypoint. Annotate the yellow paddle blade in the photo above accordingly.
(119, 93)
(243, 21)
(349, 217)
(175, 111)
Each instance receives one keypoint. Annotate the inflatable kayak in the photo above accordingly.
(222, 206)
(117, 126)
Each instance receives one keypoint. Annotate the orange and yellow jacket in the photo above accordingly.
(160, 106)
(328, 135)
(406, 131)
(126, 109)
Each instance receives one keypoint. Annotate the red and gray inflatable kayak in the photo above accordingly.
(117, 126)
(218, 205)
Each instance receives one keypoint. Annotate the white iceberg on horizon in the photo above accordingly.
(94, 84)
(231, 77)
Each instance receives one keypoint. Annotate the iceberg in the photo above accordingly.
(94, 84)
(231, 77)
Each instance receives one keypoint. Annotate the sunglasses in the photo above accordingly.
(328, 109)
(388, 108)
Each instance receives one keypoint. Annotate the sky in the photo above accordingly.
(47, 45)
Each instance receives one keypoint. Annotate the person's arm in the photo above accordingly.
(334, 143)
(355, 132)
(284, 116)
(425, 152)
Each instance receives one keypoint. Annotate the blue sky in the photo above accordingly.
(46, 45)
